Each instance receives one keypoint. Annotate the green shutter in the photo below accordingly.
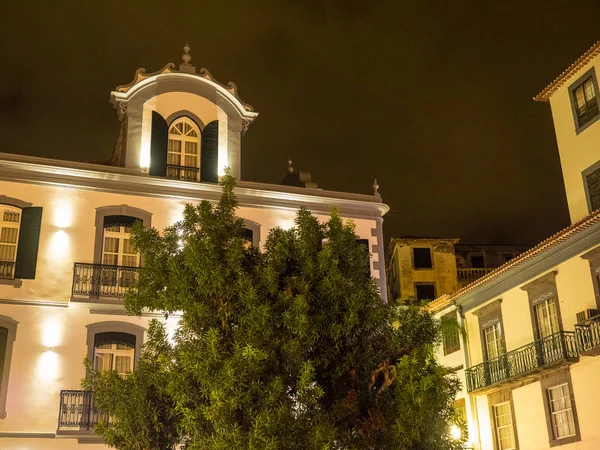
(29, 241)
(158, 145)
(209, 159)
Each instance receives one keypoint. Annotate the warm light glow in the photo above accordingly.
(51, 333)
(455, 432)
(59, 243)
(47, 369)
(63, 215)
(145, 155)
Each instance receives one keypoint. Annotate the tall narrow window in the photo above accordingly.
(585, 102)
(547, 317)
(183, 158)
(505, 433)
(3, 347)
(118, 249)
(10, 220)
(561, 411)
(493, 340)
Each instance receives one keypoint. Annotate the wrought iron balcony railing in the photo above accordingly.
(588, 335)
(549, 351)
(186, 173)
(101, 280)
(7, 270)
(77, 412)
(468, 274)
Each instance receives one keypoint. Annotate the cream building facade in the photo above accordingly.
(65, 256)
(531, 355)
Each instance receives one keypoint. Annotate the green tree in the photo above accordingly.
(288, 348)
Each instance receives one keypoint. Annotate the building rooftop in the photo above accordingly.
(549, 90)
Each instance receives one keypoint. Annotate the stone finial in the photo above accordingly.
(186, 57)
(376, 189)
(290, 169)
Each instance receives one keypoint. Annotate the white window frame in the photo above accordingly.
(511, 425)
(183, 139)
(122, 235)
(548, 325)
(116, 352)
(495, 343)
(8, 270)
(567, 411)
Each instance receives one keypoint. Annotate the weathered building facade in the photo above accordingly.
(65, 255)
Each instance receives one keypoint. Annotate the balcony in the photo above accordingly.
(588, 336)
(77, 413)
(469, 274)
(185, 173)
(557, 349)
(101, 280)
(7, 270)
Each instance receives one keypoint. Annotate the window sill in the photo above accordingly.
(15, 282)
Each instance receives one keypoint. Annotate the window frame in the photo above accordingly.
(114, 326)
(183, 139)
(414, 265)
(586, 187)
(593, 258)
(11, 325)
(10, 225)
(487, 315)
(426, 283)
(538, 291)
(575, 85)
(559, 378)
(497, 399)
(448, 350)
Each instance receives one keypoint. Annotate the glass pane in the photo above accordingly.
(191, 148)
(130, 260)
(114, 228)
(123, 364)
(193, 133)
(174, 146)
(111, 245)
(579, 97)
(106, 346)
(9, 235)
(109, 259)
(103, 361)
(128, 247)
(124, 347)
(7, 252)
(191, 161)
(174, 159)
(11, 216)
(588, 87)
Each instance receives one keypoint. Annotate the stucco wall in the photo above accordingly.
(577, 151)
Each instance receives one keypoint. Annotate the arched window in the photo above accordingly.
(183, 158)
(10, 220)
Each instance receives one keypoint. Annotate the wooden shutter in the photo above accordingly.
(29, 241)
(593, 184)
(158, 145)
(209, 162)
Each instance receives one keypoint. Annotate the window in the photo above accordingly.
(547, 317)
(493, 340)
(183, 158)
(561, 411)
(477, 261)
(422, 258)
(118, 249)
(8, 332)
(425, 291)
(505, 433)
(591, 179)
(450, 334)
(114, 356)
(584, 101)
(10, 220)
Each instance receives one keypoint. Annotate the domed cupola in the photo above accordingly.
(180, 124)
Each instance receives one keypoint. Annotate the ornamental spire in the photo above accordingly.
(376, 189)
(290, 169)
(186, 57)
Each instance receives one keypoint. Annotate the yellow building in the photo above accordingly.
(530, 360)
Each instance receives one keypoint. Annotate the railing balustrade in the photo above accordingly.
(77, 412)
(588, 334)
(550, 350)
(102, 280)
(186, 173)
(7, 270)
(471, 274)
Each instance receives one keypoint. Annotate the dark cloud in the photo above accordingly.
(432, 98)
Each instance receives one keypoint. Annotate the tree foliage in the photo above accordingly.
(286, 348)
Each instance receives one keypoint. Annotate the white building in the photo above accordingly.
(530, 360)
(65, 257)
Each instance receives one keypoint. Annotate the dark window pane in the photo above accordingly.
(477, 261)
(425, 291)
(593, 186)
(586, 103)
(422, 258)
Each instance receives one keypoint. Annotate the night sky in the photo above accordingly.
(432, 98)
